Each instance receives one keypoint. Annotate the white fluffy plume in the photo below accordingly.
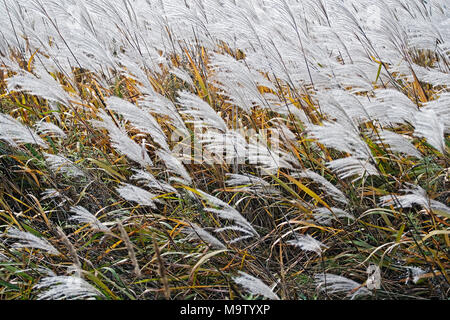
(28, 240)
(255, 286)
(63, 165)
(66, 288)
(196, 232)
(82, 215)
(332, 283)
(430, 126)
(225, 211)
(122, 143)
(137, 195)
(14, 132)
(307, 243)
(324, 185)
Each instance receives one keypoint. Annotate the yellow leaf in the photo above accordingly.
(30, 61)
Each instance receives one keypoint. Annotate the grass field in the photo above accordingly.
(222, 149)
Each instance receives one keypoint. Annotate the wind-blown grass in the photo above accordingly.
(222, 149)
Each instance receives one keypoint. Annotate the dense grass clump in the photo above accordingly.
(222, 149)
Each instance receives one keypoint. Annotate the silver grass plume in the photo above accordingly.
(227, 212)
(140, 119)
(61, 164)
(440, 107)
(352, 167)
(226, 147)
(54, 194)
(237, 81)
(49, 128)
(308, 243)
(415, 195)
(159, 104)
(332, 283)
(196, 232)
(27, 240)
(201, 112)
(44, 86)
(250, 183)
(151, 182)
(183, 75)
(50, 194)
(121, 142)
(255, 286)
(324, 216)
(342, 137)
(82, 215)
(325, 185)
(401, 108)
(14, 132)
(175, 166)
(268, 158)
(66, 288)
(398, 143)
(138, 195)
(430, 126)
